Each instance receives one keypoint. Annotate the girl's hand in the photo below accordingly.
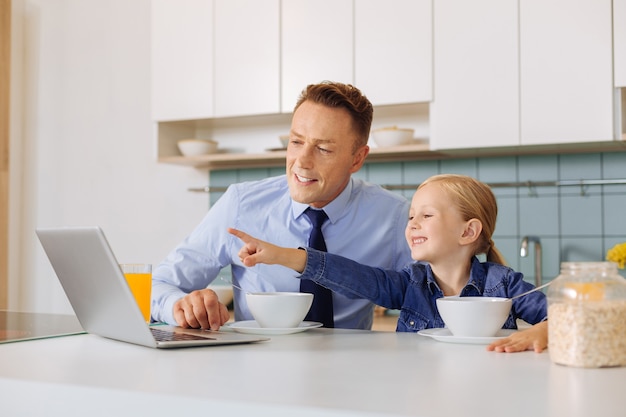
(534, 338)
(256, 251)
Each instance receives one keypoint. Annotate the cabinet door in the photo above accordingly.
(475, 97)
(566, 71)
(393, 50)
(182, 64)
(247, 58)
(619, 42)
(317, 45)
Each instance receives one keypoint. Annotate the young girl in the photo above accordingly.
(451, 220)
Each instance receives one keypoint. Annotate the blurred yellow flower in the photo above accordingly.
(617, 254)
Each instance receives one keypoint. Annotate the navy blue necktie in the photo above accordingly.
(322, 308)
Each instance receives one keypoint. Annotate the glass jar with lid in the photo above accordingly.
(587, 316)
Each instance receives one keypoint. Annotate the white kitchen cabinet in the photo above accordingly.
(566, 71)
(530, 72)
(476, 79)
(498, 74)
(619, 42)
(247, 57)
(393, 50)
(182, 59)
(316, 43)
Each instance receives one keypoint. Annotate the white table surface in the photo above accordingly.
(315, 373)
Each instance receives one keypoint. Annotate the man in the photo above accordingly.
(328, 143)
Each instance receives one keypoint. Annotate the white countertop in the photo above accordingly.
(318, 372)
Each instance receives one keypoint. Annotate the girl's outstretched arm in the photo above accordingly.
(256, 251)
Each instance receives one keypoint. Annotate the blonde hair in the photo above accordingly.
(475, 200)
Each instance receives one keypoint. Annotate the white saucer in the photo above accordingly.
(444, 335)
(252, 327)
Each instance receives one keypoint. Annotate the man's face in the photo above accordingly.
(320, 154)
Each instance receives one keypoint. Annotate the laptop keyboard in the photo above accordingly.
(170, 336)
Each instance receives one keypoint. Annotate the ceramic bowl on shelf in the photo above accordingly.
(474, 316)
(195, 147)
(392, 136)
(279, 310)
(284, 140)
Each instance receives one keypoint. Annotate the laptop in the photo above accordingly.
(104, 305)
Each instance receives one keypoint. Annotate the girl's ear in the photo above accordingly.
(472, 231)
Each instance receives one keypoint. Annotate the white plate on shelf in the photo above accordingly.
(252, 327)
(444, 335)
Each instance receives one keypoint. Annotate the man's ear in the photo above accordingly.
(472, 231)
(359, 158)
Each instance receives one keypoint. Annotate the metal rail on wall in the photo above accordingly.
(531, 185)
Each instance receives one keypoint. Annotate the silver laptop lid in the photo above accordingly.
(97, 290)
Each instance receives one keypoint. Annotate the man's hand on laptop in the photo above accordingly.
(200, 309)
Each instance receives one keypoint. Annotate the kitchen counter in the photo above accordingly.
(18, 326)
(321, 372)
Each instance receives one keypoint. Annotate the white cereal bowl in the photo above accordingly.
(195, 147)
(392, 136)
(474, 316)
(279, 310)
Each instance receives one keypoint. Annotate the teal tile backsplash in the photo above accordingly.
(574, 223)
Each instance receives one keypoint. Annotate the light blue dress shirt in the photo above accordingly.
(366, 224)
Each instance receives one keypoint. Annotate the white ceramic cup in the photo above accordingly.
(279, 310)
(474, 316)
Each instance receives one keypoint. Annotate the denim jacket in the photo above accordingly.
(414, 290)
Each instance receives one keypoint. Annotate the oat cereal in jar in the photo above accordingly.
(587, 316)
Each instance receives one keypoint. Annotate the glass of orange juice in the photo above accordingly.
(139, 279)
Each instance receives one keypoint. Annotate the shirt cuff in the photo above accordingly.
(315, 263)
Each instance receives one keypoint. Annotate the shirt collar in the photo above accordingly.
(430, 279)
(475, 285)
(477, 278)
(334, 210)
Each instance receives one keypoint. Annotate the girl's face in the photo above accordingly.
(435, 225)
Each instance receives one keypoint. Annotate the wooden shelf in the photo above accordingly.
(277, 158)
(228, 160)
(415, 152)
